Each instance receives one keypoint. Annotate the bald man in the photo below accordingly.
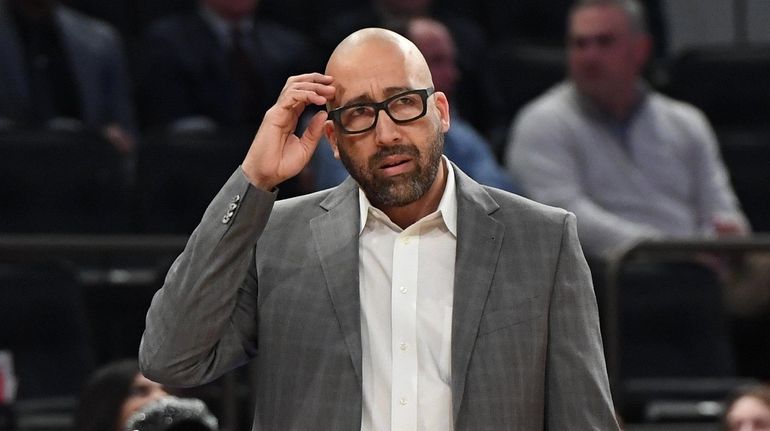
(409, 297)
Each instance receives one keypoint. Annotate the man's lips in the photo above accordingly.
(395, 165)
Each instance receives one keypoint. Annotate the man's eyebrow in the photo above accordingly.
(365, 98)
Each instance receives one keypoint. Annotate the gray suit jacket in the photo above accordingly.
(526, 347)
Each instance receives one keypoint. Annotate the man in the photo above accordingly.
(408, 297)
(628, 161)
(62, 70)
(216, 67)
(462, 143)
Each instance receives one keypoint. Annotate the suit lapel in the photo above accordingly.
(479, 238)
(335, 234)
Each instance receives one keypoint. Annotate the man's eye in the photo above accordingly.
(605, 40)
(405, 100)
(358, 111)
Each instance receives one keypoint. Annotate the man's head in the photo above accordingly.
(608, 45)
(435, 43)
(396, 161)
(232, 10)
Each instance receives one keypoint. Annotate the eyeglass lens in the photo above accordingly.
(405, 107)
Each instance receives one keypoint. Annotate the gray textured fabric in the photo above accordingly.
(526, 347)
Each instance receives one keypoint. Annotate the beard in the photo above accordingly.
(399, 190)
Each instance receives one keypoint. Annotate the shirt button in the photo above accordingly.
(402, 289)
(402, 401)
(406, 240)
(402, 346)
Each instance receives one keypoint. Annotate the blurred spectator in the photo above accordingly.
(462, 144)
(173, 414)
(112, 394)
(538, 23)
(219, 66)
(62, 70)
(749, 410)
(470, 40)
(631, 163)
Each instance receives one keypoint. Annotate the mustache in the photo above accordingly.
(395, 150)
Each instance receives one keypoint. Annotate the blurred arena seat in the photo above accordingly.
(731, 84)
(43, 323)
(63, 182)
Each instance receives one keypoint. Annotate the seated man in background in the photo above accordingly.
(631, 163)
(62, 70)
(216, 67)
(463, 144)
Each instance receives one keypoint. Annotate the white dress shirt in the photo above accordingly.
(406, 287)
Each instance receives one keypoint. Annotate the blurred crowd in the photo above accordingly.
(154, 103)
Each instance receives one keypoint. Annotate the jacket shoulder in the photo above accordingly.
(518, 209)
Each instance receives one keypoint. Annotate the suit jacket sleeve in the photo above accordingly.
(577, 393)
(202, 322)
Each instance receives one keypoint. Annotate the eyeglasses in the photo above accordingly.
(401, 108)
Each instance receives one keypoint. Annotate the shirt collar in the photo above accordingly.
(447, 207)
(591, 108)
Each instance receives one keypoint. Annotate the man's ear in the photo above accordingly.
(442, 105)
(331, 136)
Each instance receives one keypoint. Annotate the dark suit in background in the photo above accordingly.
(91, 55)
(187, 73)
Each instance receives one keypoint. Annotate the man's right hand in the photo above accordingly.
(277, 154)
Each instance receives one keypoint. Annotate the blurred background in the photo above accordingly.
(120, 120)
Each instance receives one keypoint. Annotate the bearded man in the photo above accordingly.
(409, 297)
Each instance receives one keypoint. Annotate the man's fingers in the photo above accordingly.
(310, 77)
(294, 97)
(314, 129)
(322, 89)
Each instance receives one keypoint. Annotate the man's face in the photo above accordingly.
(232, 9)
(439, 51)
(395, 164)
(605, 54)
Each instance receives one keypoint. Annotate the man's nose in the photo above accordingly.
(387, 131)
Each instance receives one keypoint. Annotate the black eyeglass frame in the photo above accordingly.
(424, 93)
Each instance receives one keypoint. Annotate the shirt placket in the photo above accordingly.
(404, 330)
